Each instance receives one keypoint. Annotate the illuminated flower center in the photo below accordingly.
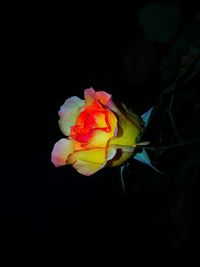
(93, 117)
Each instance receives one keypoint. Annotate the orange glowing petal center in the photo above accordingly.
(93, 117)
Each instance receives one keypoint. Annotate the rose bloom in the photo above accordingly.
(98, 133)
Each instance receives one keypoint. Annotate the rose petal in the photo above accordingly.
(89, 95)
(62, 149)
(111, 152)
(103, 97)
(86, 168)
(120, 158)
(127, 133)
(87, 162)
(126, 136)
(69, 112)
(136, 120)
(100, 137)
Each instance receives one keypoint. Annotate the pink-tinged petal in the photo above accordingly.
(111, 105)
(69, 112)
(89, 161)
(106, 99)
(89, 95)
(103, 97)
(62, 149)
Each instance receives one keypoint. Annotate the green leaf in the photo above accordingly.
(144, 158)
(146, 116)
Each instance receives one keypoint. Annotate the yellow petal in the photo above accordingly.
(62, 149)
(87, 162)
(136, 120)
(86, 168)
(128, 131)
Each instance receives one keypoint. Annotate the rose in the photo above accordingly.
(98, 133)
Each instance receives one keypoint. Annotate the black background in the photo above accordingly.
(55, 214)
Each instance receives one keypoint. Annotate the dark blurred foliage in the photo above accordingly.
(56, 215)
